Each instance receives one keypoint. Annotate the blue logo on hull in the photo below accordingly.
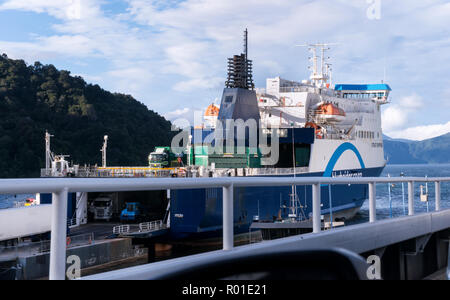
(338, 153)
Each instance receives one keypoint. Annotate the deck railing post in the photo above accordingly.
(228, 218)
(411, 198)
(58, 236)
(437, 192)
(372, 202)
(316, 220)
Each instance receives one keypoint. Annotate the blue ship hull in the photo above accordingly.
(197, 213)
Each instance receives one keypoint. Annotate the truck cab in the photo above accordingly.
(163, 157)
(159, 158)
(102, 208)
(131, 213)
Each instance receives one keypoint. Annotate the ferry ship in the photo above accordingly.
(321, 128)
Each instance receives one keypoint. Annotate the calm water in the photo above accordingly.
(11, 201)
(398, 208)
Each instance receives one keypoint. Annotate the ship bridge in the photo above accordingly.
(377, 92)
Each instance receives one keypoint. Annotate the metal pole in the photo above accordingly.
(390, 199)
(438, 195)
(228, 218)
(411, 198)
(316, 208)
(372, 202)
(58, 236)
(403, 198)
(331, 206)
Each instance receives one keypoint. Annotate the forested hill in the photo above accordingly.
(40, 97)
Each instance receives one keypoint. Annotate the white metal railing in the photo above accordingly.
(120, 172)
(121, 229)
(141, 228)
(60, 187)
(151, 226)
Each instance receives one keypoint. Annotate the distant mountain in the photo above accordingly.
(385, 137)
(436, 150)
(40, 97)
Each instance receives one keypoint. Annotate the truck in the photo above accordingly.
(102, 207)
(163, 157)
(132, 213)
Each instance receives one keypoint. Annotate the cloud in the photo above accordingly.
(185, 117)
(168, 53)
(61, 9)
(393, 117)
(421, 133)
(396, 116)
(411, 102)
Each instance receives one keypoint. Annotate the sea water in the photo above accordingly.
(397, 204)
(12, 201)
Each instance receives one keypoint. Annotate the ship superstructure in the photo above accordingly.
(321, 129)
(309, 128)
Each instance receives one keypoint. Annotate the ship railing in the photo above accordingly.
(121, 229)
(72, 222)
(276, 171)
(121, 172)
(60, 188)
(151, 226)
(140, 228)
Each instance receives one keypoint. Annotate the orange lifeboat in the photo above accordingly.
(212, 111)
(330, 112)
(211, 115)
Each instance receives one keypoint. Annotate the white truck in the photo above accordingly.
(102, 207)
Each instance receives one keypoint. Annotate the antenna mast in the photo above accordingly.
(319, 79)
(240, 69)
(246, 43)
(48, 152)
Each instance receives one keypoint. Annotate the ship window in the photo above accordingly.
(229, 99)
(302, 155)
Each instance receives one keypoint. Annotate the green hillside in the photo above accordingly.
(40, 97)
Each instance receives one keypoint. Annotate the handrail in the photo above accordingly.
(54, 185)
(60, 187)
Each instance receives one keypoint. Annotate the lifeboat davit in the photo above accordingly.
(328, 112)
(318, 129)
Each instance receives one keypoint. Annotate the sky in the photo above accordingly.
(171, 54)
